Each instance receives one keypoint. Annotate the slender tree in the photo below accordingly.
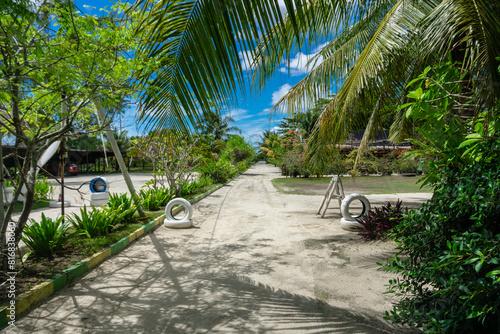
(54, 63)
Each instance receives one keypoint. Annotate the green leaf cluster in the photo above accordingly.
(46, 236)
(220, 171)
(92, 223)
(448, 260)
(120, 206)
(43, 188)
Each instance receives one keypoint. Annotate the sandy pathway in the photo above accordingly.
(258, 261)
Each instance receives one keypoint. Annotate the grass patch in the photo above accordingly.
(89, 247)
(361, 184)
(39, 204)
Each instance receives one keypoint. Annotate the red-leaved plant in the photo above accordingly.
(379, 221)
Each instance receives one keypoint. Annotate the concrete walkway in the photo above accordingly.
(258, 261)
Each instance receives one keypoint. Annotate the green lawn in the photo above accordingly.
(360, 184)
(40, 203)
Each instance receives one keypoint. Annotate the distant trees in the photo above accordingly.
(215, 126)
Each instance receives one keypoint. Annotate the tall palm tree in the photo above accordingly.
(375, 56)
(269, 143)
(215, 125)
(375, 47)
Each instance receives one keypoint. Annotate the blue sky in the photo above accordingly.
(252, 114)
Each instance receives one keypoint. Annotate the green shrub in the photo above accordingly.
(449, 255)
(93, 223)
(43, 188)
(153, 199)
(241, 166)
(220, 171)
(122, 207)
(47, 236)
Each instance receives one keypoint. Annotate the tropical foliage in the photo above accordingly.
(448, 253)
(56, 62)
(198, 44)
(214, 126)
(122, 207)
(47, 236)
(92, 222)
(376, 55)
(153, 199)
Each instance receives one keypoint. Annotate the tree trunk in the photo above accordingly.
(116, 150)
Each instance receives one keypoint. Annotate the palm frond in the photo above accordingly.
(339, 55)
(471, 29)
(195, 46)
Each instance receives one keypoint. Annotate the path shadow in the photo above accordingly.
(192, 290)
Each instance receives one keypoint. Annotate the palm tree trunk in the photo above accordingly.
(116, 150)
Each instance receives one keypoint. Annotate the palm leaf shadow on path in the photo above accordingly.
(234, 274)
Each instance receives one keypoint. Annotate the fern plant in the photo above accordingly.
(121, 207)
(47, 236)
(152, 199)
(93, 223)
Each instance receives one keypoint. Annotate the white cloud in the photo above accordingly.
(265, 112)
(277, 95)
(299, 65)
(246, 59)
(320, 47)
(239, 114)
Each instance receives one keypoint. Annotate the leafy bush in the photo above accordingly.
(152, 199)
(293, 163)
(241, 166)
(47, 236)
(92, 223)
(188, 189)
(406, 163)
(202, 182)
(379, 221)
(43, 188)
(120, 206)
(220, 171)
(449, 254)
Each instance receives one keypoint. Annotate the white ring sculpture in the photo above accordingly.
(184, 222)
(57, 204)
(348, 222)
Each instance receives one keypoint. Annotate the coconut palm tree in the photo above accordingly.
(377, 54)
(270, 145)
(197, 44)
(215, 125)
(374, 49)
